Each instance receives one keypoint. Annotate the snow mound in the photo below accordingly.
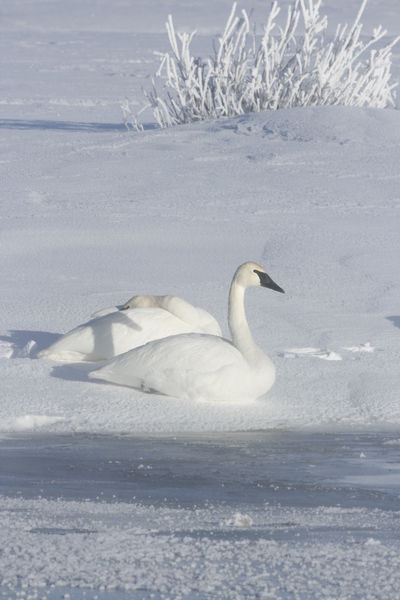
(240, 520)
(360, 348)
(6, 349)
(332, 124)
(314, 352)
(29, 422)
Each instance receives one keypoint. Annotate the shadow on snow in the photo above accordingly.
(19, 338)
(26, 124)
(395, 319)
(46, 125)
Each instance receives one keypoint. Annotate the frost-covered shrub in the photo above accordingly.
(278, 69)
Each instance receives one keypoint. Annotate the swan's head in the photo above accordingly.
(252, 274)
(139, 302)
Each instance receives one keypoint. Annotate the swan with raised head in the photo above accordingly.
(202, 367)
(140, 320)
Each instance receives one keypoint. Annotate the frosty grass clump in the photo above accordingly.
(281, 68)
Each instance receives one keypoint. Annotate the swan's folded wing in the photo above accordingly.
(198, 319)
(208, 323)
(112, 334)
(185, 366)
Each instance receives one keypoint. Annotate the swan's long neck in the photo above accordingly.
(241, 335)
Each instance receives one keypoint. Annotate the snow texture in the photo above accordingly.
(90, 215)
(312, 194)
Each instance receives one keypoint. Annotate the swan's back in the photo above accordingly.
(197, 318)
(112, 334)
(189, 366)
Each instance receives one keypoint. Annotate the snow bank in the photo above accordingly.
(310, 193)
(29, 422)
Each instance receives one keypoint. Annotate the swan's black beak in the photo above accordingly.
(266, 281)
(123, 306)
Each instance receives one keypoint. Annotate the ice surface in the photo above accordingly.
(228, 515)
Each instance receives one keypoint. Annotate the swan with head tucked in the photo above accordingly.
(118, 329)
(202, 367)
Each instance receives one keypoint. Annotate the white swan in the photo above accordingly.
(193, 366)
(138, 321)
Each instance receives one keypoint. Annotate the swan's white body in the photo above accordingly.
(141, 320)
(202, 367)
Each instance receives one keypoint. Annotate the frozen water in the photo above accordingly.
(282, 512)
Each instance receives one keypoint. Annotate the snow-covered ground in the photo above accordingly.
(91, 214)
